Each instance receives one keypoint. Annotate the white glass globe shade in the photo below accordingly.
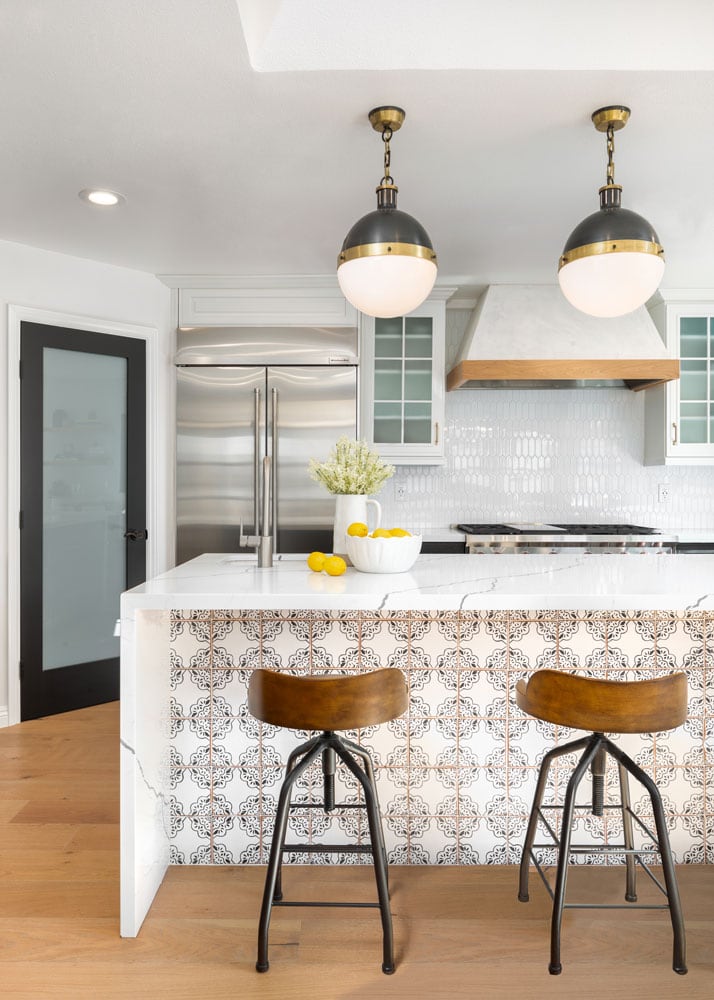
(611, 284)
(386, 285)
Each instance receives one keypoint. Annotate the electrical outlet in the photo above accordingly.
(400, 492)
(664, 494)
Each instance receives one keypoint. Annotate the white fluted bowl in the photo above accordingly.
(383, 555)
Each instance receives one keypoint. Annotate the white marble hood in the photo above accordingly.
(529, 336)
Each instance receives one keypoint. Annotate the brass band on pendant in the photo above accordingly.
(610, 246)
(385, 250)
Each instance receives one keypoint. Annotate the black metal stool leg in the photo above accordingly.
(679, 948)
(276, 851)
(369, 768)
(380, 867)
(537, 802)
(294, 755)
(628, 836)
(595, 742)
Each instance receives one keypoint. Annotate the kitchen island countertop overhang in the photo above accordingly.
(439, 582)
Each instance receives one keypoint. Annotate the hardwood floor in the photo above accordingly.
(460, 932)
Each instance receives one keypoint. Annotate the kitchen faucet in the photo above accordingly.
(263, 541)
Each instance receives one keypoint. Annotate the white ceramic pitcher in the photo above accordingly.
(350, 507)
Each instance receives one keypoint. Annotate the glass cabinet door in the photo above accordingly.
(403, 383)
(696, 417)
(403, 378)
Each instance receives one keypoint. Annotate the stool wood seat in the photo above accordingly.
(602, 706)
(327, 703)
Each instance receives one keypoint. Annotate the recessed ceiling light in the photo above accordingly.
(100, 196)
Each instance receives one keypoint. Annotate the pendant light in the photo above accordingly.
(387, 265)
(612, 262)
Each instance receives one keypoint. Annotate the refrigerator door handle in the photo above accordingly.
(276, 466)
(256, 463)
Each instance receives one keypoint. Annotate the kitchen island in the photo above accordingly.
(456, 773)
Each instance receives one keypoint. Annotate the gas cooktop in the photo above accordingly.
(529, 528)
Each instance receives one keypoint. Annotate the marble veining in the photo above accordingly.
(637, 582)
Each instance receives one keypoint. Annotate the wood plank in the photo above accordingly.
(639, 374)
(69, 811)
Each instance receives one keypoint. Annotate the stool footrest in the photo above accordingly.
(321, 805)
(291, 902)
(599, 849)
(327, 849)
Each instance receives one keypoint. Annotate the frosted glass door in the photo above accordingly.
(83, 510)
(84, 504)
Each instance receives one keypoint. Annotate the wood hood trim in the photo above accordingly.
(636, 374)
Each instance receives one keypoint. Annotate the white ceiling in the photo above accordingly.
(243, 146)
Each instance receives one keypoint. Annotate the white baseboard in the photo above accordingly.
(3, 717)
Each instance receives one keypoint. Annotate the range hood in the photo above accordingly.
(529, 336)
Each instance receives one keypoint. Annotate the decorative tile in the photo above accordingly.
(456, 773)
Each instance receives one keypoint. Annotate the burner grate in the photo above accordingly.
(556, 529)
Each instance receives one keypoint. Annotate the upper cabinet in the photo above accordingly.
(402, 384)
(679, 421)
(292, 300)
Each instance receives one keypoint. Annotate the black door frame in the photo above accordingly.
(97, 681)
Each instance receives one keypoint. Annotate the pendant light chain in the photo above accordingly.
(610, 155)
(386, 136)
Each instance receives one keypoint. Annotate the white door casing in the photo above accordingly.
(154, 406)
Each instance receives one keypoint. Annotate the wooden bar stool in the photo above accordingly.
(327, 703)
(614, 707)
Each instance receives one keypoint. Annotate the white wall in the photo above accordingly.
(546, 455)
(71, 286)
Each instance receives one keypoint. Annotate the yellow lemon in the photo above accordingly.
(400, 533)
(359, 529)
(380, 533)
(334, 565)
(316, 561)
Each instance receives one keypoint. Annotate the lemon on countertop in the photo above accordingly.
(359, 529)
(316, 561)
(334, 565)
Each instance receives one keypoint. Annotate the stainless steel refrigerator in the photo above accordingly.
(249, 392)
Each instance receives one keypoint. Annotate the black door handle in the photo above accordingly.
(136, 534)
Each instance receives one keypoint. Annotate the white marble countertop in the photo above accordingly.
(439, 582)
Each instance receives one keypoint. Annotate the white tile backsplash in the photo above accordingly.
(545, 455)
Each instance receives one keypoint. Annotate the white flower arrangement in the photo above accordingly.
(351, 468)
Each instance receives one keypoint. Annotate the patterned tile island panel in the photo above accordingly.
(456, 774)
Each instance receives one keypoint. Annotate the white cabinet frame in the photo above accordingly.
(663, 445)
(409, 454)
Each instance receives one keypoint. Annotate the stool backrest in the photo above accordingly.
(327, 702)
(604, 706)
